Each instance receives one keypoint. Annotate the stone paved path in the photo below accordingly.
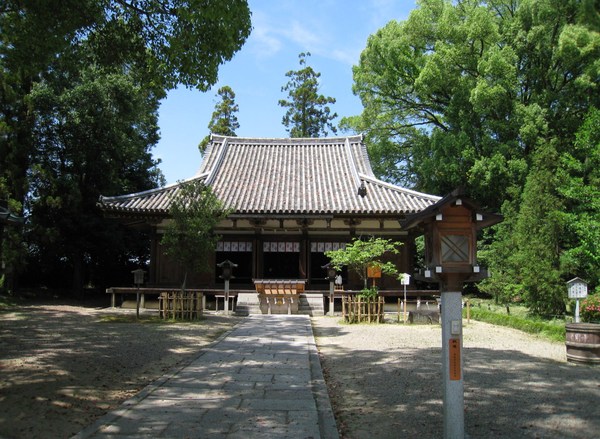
(262, 380)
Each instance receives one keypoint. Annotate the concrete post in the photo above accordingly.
(452, 366)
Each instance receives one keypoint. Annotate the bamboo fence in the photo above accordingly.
(180, 305)
(359, 309)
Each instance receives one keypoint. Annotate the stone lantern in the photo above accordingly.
(227, 274)
(331, 276)
(450, 227)
(138, 281)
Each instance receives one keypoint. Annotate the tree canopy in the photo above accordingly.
(461, 93)
(79, 95)
(361, 254)
(308, 113)
(490, 96)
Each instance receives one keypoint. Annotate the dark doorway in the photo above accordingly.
(281, 265)
(242, 273)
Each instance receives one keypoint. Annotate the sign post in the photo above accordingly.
(577, 289)
(405, 281)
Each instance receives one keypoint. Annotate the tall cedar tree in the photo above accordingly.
(55, 140)
(94, 137)
(579, 186)
(308, 113)
(160, 44)
(224, 120)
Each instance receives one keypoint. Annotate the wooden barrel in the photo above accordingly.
(583, 343)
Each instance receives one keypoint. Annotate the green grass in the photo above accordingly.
(519, 318)
(7, 302)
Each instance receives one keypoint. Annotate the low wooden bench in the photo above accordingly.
(230, 306)
(424, 316)
(170, 300)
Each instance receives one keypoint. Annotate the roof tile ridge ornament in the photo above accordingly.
(218, 162)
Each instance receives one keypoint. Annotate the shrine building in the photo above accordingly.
(291, 200)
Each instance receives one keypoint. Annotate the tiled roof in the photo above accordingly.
(7, 217)
(286, 176)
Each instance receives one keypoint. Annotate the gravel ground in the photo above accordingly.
(385, 382)
(62, 368)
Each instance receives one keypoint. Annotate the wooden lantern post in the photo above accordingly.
(450, 227)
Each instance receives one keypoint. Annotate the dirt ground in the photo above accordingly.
(64, 365)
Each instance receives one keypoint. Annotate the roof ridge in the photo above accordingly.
(353, 165)
(218, 161)
(288, 140)
(153, 190)
(399, 188)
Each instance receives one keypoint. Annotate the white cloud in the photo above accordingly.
(346, 56)
(264, 40)
(304, 36)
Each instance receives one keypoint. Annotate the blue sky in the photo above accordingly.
(334, 31)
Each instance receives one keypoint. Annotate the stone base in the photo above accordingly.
(312, 304)
(247, 304)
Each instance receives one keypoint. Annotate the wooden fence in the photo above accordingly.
(357, 309)
(180, 305)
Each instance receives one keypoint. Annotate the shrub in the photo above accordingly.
(369, 293)
(590, 309)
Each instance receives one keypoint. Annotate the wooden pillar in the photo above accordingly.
(153, 255)
(303, 258)
(258, 257)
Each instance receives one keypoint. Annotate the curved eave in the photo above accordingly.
(7, 217)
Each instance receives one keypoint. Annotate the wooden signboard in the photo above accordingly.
(373, 272)
(454, 358)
